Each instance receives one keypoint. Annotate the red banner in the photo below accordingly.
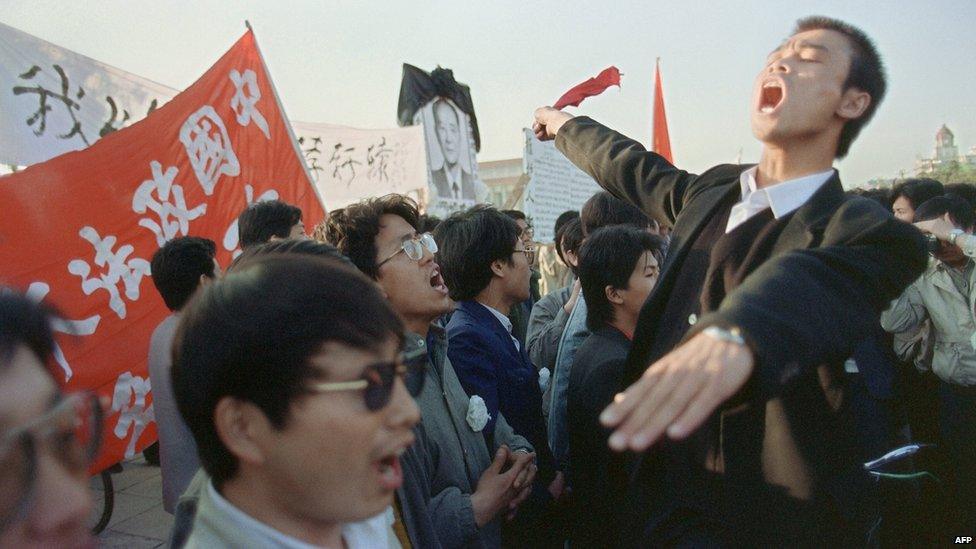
(79, 230)
(662, 140)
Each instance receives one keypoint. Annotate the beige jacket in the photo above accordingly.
(934, 296)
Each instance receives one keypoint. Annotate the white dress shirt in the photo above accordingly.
(370, 533)
(783, 197)
(506, 323)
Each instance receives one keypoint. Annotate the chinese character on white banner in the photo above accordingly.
(232, 237)
(164, 205)
(205, 139)
(129, 398)
(244, 102)
(119, 269)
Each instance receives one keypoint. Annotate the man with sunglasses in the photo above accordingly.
(288, 373)
(486, 266)
(469, 492)
(47, 438)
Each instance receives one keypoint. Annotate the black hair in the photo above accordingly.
(958, 209)
(515, 214)
(250, 336)
(328, 231)
(917, 191)
(469, 242)
(262, 220)
(359, 224)
(25, 322)
(608, 258)
(881, 196)
(563, 219)
(177, 267)
(302, 246)
(866, 73)
(603, 209)
(569, 239)
(965, 191)
(428, 223)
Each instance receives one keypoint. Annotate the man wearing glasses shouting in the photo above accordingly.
(290, 376)
(48, 438)
(469, 493)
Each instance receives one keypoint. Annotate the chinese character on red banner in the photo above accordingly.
(79, 230)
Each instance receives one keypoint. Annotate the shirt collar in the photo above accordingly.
(501, 318)
(264, 535)
(785, 197)
(372, 532)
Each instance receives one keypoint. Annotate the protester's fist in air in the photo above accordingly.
(677, 393)
(548, 121)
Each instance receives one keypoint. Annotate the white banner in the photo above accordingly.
(349, 164)
(555, 185)
(55, 101)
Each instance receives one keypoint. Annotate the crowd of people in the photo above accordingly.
(731, 361)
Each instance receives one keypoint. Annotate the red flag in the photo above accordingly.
(79, 230)
(662, 142)
(593, 86)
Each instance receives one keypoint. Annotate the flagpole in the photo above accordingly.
(288, 126)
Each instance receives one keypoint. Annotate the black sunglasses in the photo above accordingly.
(377, 379)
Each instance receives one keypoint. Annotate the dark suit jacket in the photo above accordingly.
(593, 381)
(803, 308)
(488, 365)
(444, 190)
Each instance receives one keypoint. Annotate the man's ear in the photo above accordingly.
(498, 268)
(613, 296)
(243, 429)
(205, 281)
(853, 104)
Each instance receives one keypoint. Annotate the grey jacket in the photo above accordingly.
(458, 454)
(573, 336)
(177, 451)
(546, 324)
(934, 296)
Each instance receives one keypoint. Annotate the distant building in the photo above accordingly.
(503, 178)
(946, 153)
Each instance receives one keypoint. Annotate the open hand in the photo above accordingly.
(677, 393)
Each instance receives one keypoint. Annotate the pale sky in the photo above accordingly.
(340, 62)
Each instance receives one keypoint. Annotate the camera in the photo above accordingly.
(932, 243)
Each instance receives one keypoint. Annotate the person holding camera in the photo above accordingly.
(944, 294)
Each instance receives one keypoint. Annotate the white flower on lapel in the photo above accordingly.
(544, 376)
(478, 415)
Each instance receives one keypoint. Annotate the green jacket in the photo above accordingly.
(935, 296)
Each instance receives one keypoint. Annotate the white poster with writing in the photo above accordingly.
(55, 101)
(555, 185)
(349, 164)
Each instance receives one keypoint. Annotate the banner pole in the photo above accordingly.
(288, 125)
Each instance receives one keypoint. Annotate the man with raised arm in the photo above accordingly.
(773, 277)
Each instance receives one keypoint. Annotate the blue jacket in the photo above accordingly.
(490, 366)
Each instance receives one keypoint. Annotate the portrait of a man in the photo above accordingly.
(451, 160)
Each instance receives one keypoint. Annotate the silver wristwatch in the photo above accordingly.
(732, 335)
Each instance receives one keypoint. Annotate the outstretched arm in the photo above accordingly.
(796, 311)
